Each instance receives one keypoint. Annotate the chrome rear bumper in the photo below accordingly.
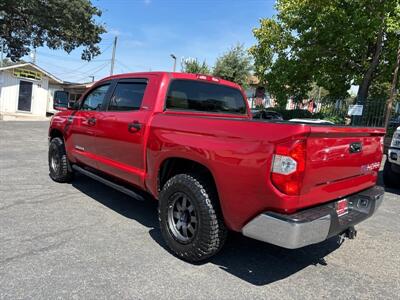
(313, 225)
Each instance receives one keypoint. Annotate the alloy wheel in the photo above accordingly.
(182, 218)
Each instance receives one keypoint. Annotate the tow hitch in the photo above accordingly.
(349, 233)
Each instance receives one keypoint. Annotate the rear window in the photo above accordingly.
(203, 96)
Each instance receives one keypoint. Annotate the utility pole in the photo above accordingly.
(92, 78)
(34, 56)
(113, 56)
(393, 89)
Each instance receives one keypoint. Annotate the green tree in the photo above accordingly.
(234, 65)
(332, 43)
(379, 90)
(317, 92)
(195, 67)
(58, 24)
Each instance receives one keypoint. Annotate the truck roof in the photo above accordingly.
(176, 75)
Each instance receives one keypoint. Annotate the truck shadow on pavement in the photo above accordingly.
(260, 263)
(255, 262)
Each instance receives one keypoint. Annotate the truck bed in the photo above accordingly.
(243, 148)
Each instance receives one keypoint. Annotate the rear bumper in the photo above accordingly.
(313, 225)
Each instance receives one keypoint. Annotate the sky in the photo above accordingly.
(149, 31)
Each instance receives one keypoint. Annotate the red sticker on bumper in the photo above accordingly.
(342, 207)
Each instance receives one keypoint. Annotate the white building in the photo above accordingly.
(28, 90)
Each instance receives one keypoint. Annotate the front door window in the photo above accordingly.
(94, 99)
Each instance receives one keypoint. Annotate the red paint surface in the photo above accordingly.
(237, 150)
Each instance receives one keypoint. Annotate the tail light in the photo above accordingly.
(288, 167)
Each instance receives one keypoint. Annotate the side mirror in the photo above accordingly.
(60, 101)
(73, 105)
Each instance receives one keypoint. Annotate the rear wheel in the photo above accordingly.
(390, 178)
(190, 218)
(59, 167)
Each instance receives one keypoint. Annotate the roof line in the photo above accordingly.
(33, 66)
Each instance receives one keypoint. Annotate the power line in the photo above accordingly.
(107, 48)
(64, 57)
(74, 58)
(93, 72)
(79, 69)
(90, 71)
(75, 70)
(130, 68)
(83, 75)
(121, 69)
(122, 65)
(64, 70)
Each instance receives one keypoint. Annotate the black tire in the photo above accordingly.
(210, 232)
(60, 170)
(390, 178)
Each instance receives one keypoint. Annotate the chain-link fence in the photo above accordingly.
(339, 111)
(371, 114)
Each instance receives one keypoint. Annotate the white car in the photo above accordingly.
(312, 121)
(391, 171)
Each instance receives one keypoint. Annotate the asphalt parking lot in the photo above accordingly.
(85, 240)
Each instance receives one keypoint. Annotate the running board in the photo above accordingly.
(109, 183)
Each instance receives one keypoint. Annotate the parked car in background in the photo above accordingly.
(191, 143)
(394, 122)
(266, 114)
(311, 121)
(391, 171)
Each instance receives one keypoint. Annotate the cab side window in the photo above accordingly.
(127, 96)
(94, 99)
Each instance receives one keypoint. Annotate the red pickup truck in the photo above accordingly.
(191, 143)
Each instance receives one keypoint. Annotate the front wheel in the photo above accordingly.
(190, 219)
(59, 167)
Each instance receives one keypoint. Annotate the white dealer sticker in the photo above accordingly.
(371, 167)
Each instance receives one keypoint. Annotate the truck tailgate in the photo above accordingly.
(340, 161)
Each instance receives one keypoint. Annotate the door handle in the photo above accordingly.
(135, 126)
(91, 121)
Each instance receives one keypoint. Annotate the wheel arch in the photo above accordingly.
(172, 166)
(54, 132)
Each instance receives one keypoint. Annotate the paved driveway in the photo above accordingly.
(85, 240)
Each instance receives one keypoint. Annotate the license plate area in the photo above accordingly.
(342, 207)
